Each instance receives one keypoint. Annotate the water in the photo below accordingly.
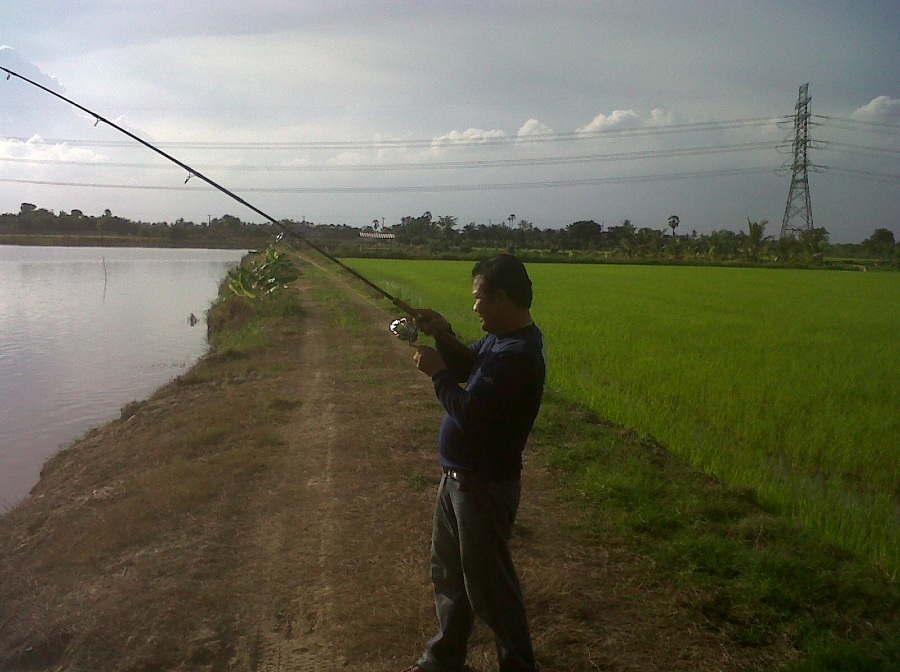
(84, 331)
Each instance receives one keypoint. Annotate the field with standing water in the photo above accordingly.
(785, 381)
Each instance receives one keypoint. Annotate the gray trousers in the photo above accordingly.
(473, 575)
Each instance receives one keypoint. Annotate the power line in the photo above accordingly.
(444, 165)
(442, 142)
(849, 148)
(857, 124)
(886, 178)
(547, 184)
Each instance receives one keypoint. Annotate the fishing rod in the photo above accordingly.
(403, 328)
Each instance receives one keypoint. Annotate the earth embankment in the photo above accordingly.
(271, 510)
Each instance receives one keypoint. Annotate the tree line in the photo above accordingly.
(110, 229)
(425, 235)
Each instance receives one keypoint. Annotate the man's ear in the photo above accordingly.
(500, 296)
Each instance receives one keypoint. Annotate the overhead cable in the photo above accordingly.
(546, 184)
(444, 165)
(858, 124)
(886, 178)
(441, 142)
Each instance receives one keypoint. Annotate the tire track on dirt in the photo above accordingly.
(291, 632)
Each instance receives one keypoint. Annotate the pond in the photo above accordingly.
(84, 331)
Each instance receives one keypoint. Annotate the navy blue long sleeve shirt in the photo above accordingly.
(488, 421)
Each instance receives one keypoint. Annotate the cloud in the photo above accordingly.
(467, 137)
(35, 149)
(124, 123)
(617, 119)
(343, 159)
(880, 110)
(24, 109)
(660, 117)
(534, 127)
(10, 58)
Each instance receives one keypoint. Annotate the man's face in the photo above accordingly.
(488, 307)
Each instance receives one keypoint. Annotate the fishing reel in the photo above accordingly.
(404, 329)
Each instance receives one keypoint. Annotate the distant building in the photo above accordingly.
(376, 239)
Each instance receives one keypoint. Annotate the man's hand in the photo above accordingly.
(431, 322)
(428, 360)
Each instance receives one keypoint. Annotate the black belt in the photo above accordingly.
(456, 474)
(466, 476)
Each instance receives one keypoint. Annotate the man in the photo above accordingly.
(482, 436)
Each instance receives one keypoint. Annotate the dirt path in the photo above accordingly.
(294, 541)
(355, 536)
(345, 551)
(316, 559)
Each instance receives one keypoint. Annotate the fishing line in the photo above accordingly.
(399, 303)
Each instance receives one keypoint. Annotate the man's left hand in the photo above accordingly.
(428, 360)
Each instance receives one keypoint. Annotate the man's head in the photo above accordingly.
(502, 291)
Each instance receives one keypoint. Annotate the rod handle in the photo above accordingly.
(447, 338)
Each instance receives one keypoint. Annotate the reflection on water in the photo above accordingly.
(84, 331)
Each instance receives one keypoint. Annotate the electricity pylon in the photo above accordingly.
(798, 211)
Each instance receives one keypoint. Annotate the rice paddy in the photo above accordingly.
(785, 381)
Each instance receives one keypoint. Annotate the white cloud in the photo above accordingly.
(617, 119)
(345, 159)
(468, 136)
(35, 149)
(882, 110)
(534, 127)
(661, 117)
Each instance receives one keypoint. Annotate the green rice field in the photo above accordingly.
(786, 381)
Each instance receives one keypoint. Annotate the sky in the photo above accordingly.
(353, 112)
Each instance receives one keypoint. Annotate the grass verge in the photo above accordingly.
(756, 576)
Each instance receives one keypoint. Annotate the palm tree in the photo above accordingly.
(755, 238)
(714, 244)
(814, 241)
(674, 221)
(629, 247)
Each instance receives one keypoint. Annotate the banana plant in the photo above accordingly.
(264, 276)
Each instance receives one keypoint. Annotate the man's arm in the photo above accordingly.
(494, 398)
(459, 360)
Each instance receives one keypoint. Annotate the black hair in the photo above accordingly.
(508, 273)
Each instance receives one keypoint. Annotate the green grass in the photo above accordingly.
(783, 381)
(762, 579)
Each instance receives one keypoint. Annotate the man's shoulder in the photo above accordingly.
(524, 340)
